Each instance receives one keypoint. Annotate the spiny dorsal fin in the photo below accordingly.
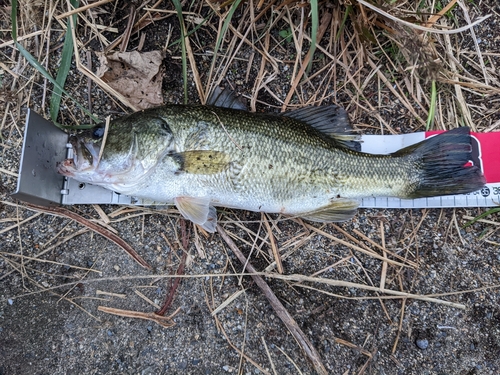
(340, 209)
(226, 99)
(331, 120)
(202, 161)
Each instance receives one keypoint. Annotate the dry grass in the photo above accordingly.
(374, 62)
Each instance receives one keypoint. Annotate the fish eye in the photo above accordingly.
(98, 132)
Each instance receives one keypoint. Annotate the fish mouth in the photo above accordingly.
(85, 157)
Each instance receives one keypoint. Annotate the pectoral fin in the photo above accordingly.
(340, 209)
(199, 211)
(202, 161)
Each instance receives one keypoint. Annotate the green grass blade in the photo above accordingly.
(13, 17)
(484, 214)
(314, 31)
(62, 73)
(222, 34)
(178, 9)
(432, 109)
(348, 11)
(36, 64)
(225, 26)
(192, 31)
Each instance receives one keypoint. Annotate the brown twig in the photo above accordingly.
(354, 247)
(353, 346)
(400, 326)
(220, 328)
(58, 211)
(82, 9)
(180, 271)
(128, 30)
(164, 321)
(325, 22)
(144, 21)
(278, 307)
(89, 83)
(274, 247)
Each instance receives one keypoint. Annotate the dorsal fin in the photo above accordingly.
(331, 120)
(226, 99)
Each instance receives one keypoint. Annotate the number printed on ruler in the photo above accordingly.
(490, 190)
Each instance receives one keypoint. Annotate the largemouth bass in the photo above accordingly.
(300, 163)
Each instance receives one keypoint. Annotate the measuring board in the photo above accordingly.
(45, 146)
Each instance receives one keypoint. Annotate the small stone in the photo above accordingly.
(422, 343)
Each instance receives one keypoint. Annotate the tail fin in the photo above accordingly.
(442, 161)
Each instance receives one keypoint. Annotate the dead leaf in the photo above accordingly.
(138, 76)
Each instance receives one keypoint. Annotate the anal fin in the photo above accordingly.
(340, 209)
(199, 211)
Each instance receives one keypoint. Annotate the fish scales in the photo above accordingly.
(285, 159)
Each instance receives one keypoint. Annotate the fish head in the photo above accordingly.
(122, 155)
